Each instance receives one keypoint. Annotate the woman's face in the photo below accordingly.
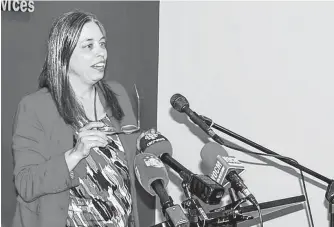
(89, 57)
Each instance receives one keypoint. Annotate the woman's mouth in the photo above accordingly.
(99, 66)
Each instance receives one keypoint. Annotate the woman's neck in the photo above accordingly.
(89, 99)
(83, 91)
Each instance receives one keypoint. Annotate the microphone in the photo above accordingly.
(181, 104)
(202, 186)
(152, 176)
(225, 169)
(154, 142)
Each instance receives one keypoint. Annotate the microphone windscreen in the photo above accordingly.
(210, 151)
(153, 142)
(149, 168)
(178, 102)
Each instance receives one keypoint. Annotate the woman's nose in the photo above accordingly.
(101, 52)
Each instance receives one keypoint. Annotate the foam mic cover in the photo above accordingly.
(149, 168)
(153, 142)
(215, 157)
(225, 169)
(210, 151)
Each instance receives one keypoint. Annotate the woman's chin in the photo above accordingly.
(98, 76)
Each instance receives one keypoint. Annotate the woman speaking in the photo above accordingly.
(74, 140)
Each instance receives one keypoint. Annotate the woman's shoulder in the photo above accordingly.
(119, 90)
(39, 98)
(41, 107)
(116, 87)
(40, 103)
(123, 99)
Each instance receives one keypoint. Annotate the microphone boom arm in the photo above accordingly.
(209, 122)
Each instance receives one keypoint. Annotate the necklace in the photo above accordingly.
(95, 114)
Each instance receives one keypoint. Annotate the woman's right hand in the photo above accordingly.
(89, 137)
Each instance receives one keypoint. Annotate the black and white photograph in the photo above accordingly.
(167, 113)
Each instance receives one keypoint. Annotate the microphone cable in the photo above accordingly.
(260, 214)
(236, 147)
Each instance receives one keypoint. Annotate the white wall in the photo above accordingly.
(263, 70)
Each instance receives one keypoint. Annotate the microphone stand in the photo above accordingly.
(195, 210)
(234, 198)
(198, 217)
(331, 213)
(330, 189)
(228, 215)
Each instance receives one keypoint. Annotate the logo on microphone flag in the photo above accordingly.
(153, 161)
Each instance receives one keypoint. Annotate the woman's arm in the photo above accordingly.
(35, 175)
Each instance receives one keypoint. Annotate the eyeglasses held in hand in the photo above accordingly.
(126, 129)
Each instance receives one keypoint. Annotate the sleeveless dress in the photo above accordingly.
(103, 196)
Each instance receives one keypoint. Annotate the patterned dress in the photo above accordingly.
(103, 196)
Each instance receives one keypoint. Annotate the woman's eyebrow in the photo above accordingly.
(91, 39)
(86, 40)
